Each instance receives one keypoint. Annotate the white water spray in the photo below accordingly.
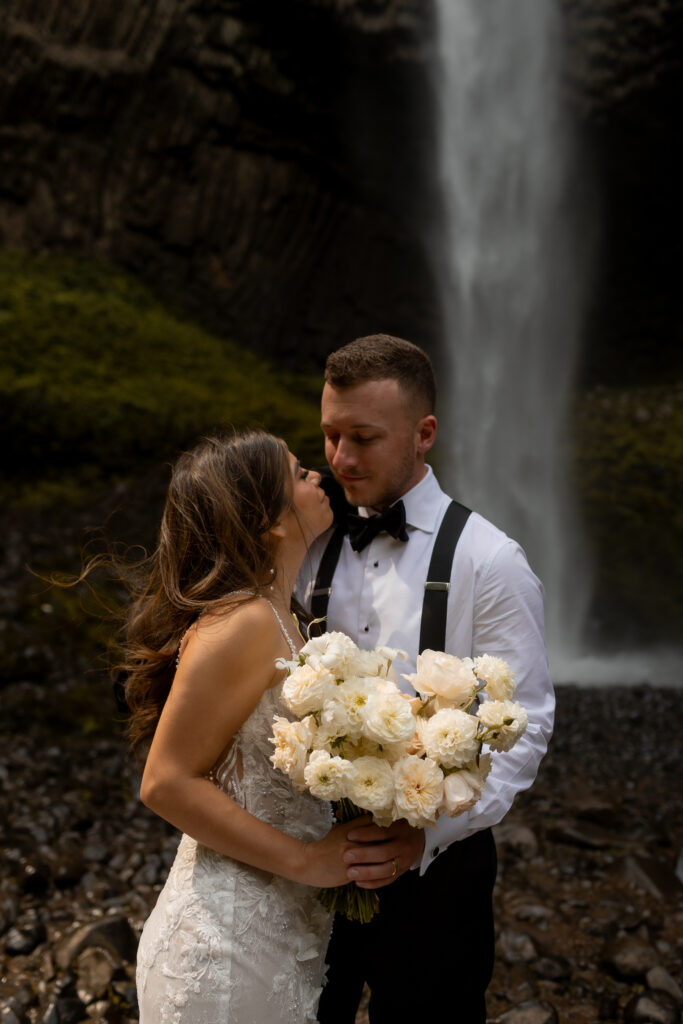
(512, 297)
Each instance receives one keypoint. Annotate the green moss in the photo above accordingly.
(630, 468)
(96, 376)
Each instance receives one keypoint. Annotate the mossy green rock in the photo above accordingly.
(97, 376)
(629, 445)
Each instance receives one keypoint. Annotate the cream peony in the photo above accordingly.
(306, 689)
(419, 790)
(504, 720)
(348, 705)
(371, 786)
(389, 718)
(292, 741)
(327, 777)
(498, 676)
(450, 737)
(445, 675)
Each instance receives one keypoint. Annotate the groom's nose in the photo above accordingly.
(344, 457)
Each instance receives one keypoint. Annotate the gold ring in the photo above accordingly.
(395, 871)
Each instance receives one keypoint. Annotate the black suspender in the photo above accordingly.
(323, 581)
(438, 583)
(435, 602)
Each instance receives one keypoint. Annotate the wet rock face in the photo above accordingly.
(257, 160)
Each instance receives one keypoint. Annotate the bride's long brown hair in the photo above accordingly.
(223, 498)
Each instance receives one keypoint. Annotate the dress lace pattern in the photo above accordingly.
(228, 943)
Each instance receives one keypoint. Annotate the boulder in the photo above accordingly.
(113, 934)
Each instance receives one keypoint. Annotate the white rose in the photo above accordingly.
(372, 784)
(306, 689)
(498, 676)
(450, 737)
(328, 778)
(292, 741)
(419, 790)
(461, 790)
(389, 719)
(335, 652)
(505, 721)
(445, 675)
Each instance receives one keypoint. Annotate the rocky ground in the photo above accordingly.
(589, 896)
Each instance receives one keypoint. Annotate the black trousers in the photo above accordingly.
(431, 943)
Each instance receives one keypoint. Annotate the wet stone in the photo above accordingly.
(532, 912)
(111, 933)
(95, 969)
(65, 1011)
(658, 978)
(22, 940)
(653, 877)
(552, 968)
(630, 957)
(652, 1008)
(518, 839)
(530, 1012)
(8, 912)
(100, 1010)
(516, 947)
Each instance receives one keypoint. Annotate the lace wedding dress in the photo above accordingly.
(227, 943)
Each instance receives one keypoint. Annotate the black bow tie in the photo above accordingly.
(363, 529)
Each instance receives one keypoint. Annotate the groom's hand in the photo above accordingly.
(380, 855)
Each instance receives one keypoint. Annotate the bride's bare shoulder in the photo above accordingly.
(247, 624)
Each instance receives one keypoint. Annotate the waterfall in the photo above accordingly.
(511, 290)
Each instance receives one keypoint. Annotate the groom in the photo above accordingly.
(432, 941)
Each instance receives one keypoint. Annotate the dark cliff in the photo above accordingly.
(268, 165)
(254, 160)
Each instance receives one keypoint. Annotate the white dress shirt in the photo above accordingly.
(495, 606)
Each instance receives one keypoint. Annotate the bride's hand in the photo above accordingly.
(324, 859)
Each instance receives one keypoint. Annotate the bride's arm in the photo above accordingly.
(227, 664)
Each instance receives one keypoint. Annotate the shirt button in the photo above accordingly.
(366, 629)
(435, 851)
(376, 565)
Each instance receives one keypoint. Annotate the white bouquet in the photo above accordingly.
(360, 742)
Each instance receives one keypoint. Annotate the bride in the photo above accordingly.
(237, 933)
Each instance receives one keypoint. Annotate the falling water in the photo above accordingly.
(513, 276)
(510, 287)
(512, 296)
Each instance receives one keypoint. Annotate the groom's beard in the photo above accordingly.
(380, 488)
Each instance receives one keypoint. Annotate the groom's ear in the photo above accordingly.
(335, 492)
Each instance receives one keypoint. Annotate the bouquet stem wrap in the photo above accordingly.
(354, 903)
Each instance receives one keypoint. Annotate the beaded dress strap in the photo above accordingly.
(288, 638)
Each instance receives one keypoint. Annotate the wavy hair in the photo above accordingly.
(224, 496)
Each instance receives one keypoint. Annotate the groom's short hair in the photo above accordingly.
(383, 357)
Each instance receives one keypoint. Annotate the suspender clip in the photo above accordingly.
(322, 590)
(437, 586)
